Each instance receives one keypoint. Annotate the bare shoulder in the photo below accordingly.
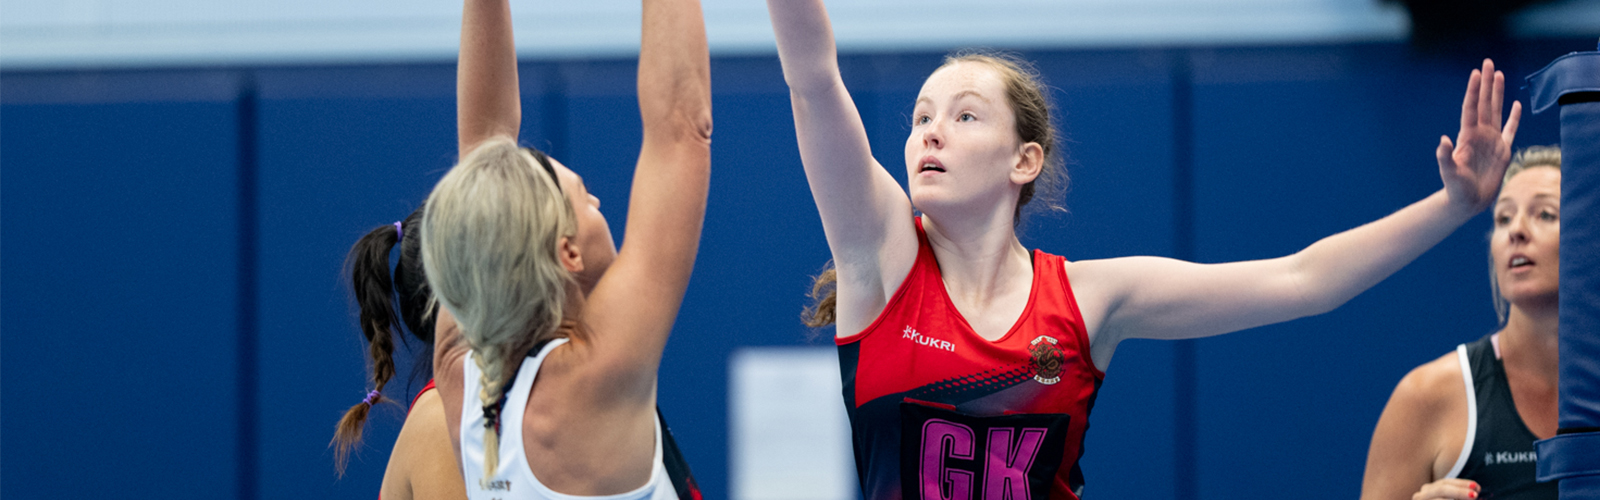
(427, 412)
(1434, 386)
(1098, 286)
(426, 418)
(585, 379)
(1420, 433)
(423, 464)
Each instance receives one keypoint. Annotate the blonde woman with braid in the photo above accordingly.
(548, 337)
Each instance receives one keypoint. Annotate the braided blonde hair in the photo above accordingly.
(491, 231)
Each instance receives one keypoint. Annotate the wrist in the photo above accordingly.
(1459, 209)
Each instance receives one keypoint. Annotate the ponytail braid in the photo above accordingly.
(374, 293)
(491, 393)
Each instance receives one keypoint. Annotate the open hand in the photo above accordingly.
(1472, 166)
(1448, 489)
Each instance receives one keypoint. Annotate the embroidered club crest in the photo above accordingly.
(1047, 360)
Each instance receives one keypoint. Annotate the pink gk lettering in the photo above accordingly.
(941, 438)
(1005, 473)
(1006, 459)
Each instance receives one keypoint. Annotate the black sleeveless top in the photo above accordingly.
(1502, 459)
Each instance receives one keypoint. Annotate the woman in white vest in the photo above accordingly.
(549, 338)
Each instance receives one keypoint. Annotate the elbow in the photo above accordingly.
(1323, 305)
(685, 127)
(1317, 293)
(1324, 299)
(814, 86)
(699, 126)
(686, 120)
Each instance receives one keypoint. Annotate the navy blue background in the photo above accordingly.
(173, 243)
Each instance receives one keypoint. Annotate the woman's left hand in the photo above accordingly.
(1472, 166)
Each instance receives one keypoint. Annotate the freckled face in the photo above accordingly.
(594, 235)
(1526, 243)
(963, 141)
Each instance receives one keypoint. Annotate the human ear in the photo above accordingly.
(1030, 162)
(570, 257)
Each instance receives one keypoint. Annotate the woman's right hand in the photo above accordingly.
(1451, 489)
(1471, 167)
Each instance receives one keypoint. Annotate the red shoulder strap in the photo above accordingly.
(414, 399)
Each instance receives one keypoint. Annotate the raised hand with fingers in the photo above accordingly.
(1471, 167)
(1447, 489)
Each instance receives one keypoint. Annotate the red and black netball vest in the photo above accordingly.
(939, 413)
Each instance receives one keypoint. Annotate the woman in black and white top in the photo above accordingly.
(530, 283)
(1463, 426)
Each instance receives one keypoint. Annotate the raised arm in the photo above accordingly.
(1163, 298)
(865, 214)
(487, 96)
(487, 105)
(635, 302)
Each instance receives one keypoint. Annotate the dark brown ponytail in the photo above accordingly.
(377, 292)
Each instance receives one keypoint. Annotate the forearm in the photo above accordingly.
(674, 72)
(671, 180)
(860, 203)
(1332, 271)
(805, 44)
(487, 103)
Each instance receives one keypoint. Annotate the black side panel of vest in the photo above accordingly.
(677, 467)
(1502, 459)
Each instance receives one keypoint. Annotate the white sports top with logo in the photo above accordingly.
(514, 479)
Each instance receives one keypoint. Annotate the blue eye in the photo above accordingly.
(1548, 216)
(920, 119)
(966, 117)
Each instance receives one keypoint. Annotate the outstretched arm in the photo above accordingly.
(635, 302)
(865, 214)
(487, 96)
(1164, 298)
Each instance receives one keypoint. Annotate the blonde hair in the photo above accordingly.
(1532, 156)
(490, 235)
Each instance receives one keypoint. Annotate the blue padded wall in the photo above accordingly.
(342, 150)
(120, 297)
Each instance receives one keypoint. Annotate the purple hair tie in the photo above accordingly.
(399, 232)
(374, 394)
